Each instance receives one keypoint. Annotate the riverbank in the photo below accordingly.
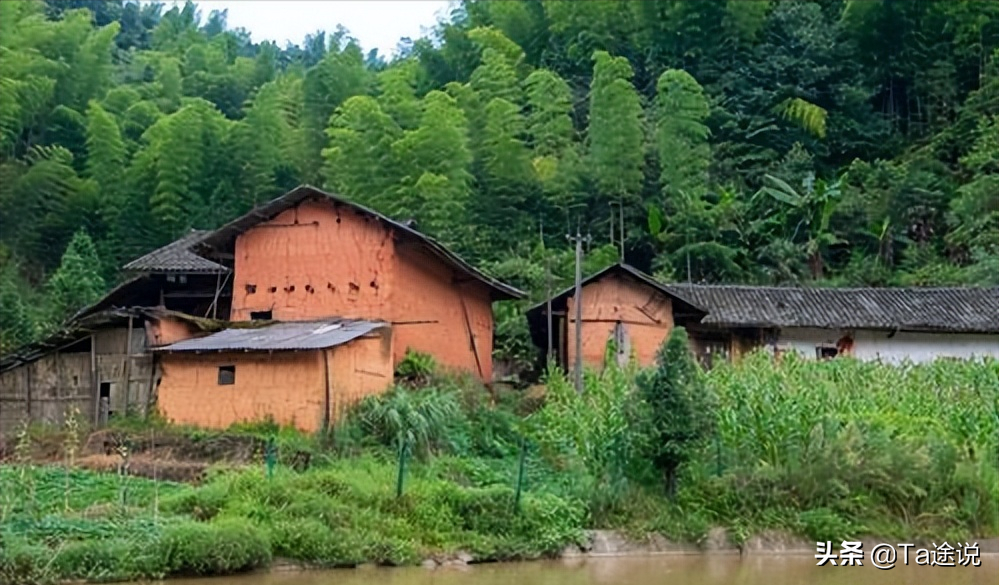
(800, 452)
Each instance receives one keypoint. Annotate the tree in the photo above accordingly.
(679, 414)
(436, 159)
(552, 135)
(77, 282)
(615, 135)
(681, 136)
(17, 326)
(810, 209)
(359, 158)
(398, 93)
(106, 156)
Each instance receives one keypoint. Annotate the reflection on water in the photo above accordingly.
(692, 570)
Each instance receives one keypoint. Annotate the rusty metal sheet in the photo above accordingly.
(284, 336)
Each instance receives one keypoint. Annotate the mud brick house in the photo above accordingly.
(725, 322)
(291, 311)
(619, 302)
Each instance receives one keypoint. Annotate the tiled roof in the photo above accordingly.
(177, 256)
(621, 269)
(282, 336)
(956, 309)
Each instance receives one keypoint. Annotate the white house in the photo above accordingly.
(888, 324)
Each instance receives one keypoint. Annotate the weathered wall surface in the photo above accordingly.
(313, 262)
(873, 345)
(289, 386)
(316, 262)
(166, 331)
(645, 314)
(133, 395)
(435, 314)
(45, 389)
(363, 367)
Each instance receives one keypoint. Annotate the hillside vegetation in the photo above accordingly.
(827, 141)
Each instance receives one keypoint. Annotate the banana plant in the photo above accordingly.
(813, 205)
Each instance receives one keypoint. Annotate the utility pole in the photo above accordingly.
(548, 309)
(548, 292)
(577, 300)
(620, 217)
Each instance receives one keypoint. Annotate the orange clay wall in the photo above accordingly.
(434, 314)
(166, 331)
(286, 385)
(646, 314)
(361, 368)
(313, 262)
(316, 262)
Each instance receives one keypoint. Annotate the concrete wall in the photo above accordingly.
(872, 345)
(317, 261)
(645, 313)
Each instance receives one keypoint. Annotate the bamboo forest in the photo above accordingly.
(825, 142)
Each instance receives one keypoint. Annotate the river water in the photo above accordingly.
(650, 570)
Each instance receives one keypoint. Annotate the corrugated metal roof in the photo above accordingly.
(177, 257)
(283, 336)
(954, 309)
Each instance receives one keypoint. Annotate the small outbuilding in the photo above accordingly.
(621, 304)
(302, 373)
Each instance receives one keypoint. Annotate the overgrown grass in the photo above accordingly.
(341, 515)
(826, 449)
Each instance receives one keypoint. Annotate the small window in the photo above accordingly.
(261, 315)
(227, 375)
(826, 352)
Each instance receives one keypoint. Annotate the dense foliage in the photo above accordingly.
(830, 141)
(821, 448)
(832, 450)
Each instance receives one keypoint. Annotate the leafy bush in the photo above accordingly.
(416, 368)
(677, 414)
(312, 541)
(227, 546)
(419, 419)
(24, 563)
(115, 559)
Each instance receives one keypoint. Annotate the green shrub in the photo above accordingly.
(312, 541)
(824, 524)
(22, 563)
(203, 503)
(220, 548)
(115, 559)
(416, 368)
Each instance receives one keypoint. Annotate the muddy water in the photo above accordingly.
(672, 570)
